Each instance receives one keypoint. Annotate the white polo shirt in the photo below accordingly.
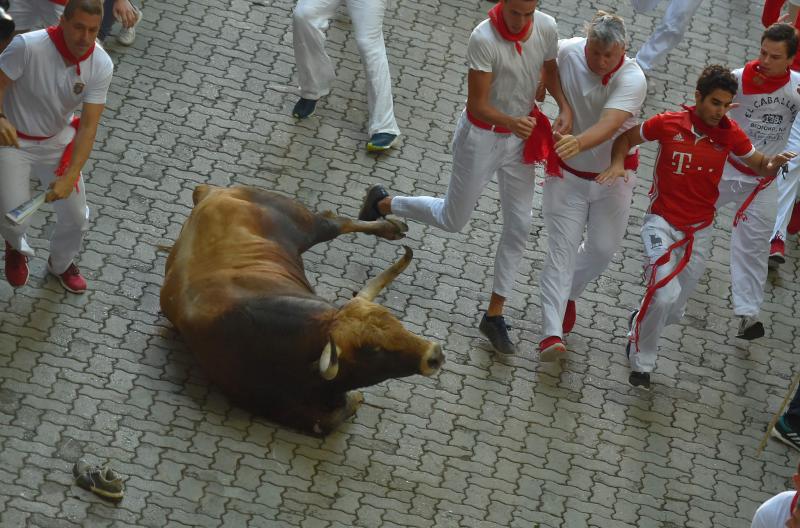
(46, 92)
(516, 75)
(767, 119)
(775, 512)
(588, 97)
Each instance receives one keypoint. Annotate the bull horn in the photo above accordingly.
(329, 361)
(374, 286)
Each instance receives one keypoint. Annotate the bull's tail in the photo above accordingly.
(164, 247)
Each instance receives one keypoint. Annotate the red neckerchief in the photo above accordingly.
(794, 502)
(57, 36)
(720, 133)
(756, 82)
(606, 77)
(499, 23)
(540, 148)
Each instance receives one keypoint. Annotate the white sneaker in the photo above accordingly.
(126, 36)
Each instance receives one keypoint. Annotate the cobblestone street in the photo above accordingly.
(205, 96)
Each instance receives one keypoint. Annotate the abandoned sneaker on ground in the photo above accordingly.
(495, 330)
(101, 481)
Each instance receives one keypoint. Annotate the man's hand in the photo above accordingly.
(125, 13)
(523, 126)
(61, 188)
(776, 162)
(566, 146)
(8, 134)
(611, 174)
(563, 123)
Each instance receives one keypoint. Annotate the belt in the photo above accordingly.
(631, 163)
(497, 129)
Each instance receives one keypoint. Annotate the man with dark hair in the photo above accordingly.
(765, 108)
(45, 76)
(676, 230)
(500, 132)
(781, 511)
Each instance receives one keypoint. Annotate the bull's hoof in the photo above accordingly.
(393, 229)
(330, 422)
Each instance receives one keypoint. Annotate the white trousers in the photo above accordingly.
(39, 159)
(571, 205)
(34, 14)
(787, 186)
(477, 156)
(669, 302)
(749, 243)
(669, 31)
(315, 70)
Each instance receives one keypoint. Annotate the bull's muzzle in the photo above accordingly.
(432, 360)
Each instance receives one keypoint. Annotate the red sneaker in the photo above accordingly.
(777, 250)
(551, 349)
(71, 280)
(794, 222)
(569, 317)
(16, 267)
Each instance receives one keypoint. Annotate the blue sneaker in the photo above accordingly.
(381, 141)
(304, 108)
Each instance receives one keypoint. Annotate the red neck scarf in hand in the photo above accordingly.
(756, 82)
(57, 36)
(499, 23)
(720, 133)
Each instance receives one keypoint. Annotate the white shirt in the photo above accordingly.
(775, 512)
(766, 119)
(515, 75)
(42, 98)
(626, 91)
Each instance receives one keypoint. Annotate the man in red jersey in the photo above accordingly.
(676, 230)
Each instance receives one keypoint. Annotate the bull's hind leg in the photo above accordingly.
(389, 228)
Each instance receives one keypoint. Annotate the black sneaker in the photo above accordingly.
(101, 481)
(784, 432)
(495, 330)
(640, 380)
(750, 328)
(304, 108)
(369, 206)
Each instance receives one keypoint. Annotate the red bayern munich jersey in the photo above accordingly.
(689, 165)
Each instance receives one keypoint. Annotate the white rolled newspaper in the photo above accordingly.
(21, 212)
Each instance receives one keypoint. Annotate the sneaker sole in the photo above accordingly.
(112, 495)
(779, 437)
(64, 284)
(777, 259)
(297, 116)
(553, 353)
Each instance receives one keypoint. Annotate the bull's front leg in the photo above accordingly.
(389, 228)
(328, 420)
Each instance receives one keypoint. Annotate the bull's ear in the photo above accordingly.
(329, 361)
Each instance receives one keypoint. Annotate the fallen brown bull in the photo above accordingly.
(236, 290)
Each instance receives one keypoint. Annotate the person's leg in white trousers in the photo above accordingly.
(310, 21)
(609, 212)
(749, 243)
(668, 33)
(786, 186)
(477, 155)
(38, 161)
(565, 207)
(669, 302)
